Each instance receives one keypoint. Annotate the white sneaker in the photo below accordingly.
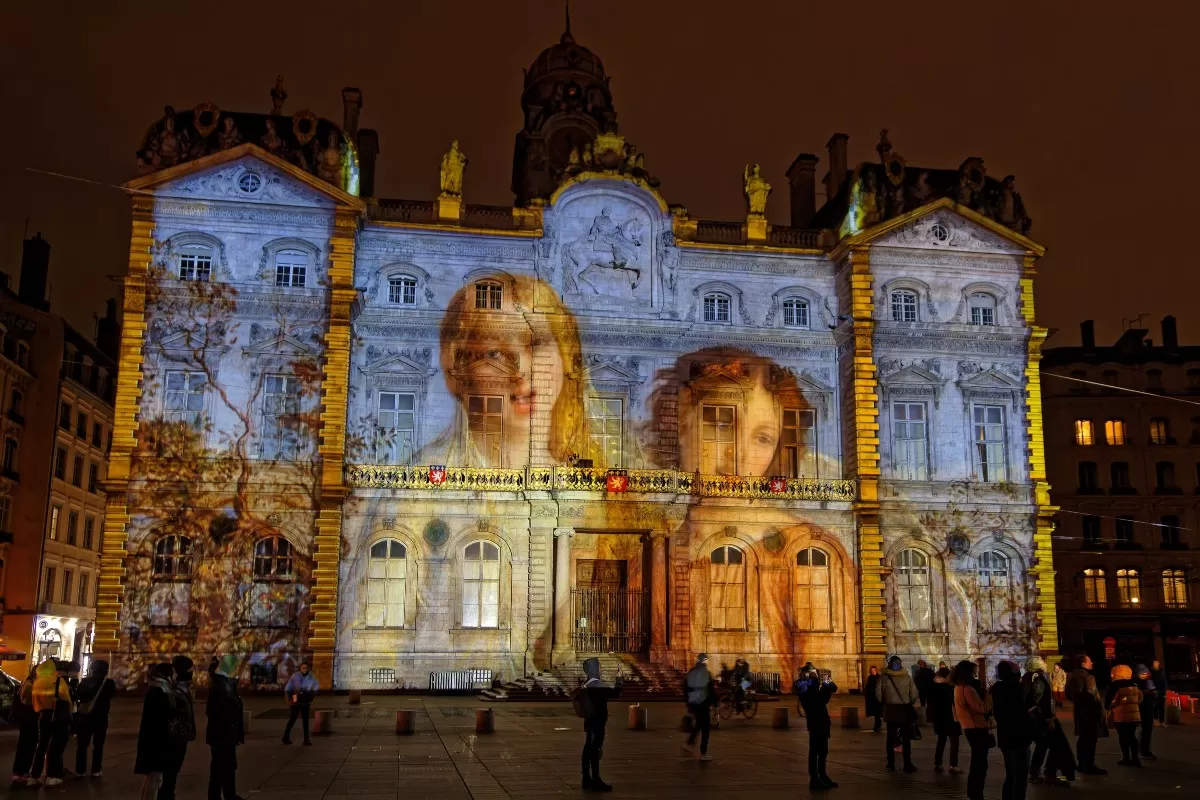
(706, 757)
(955, 771)
(97, 774)
(53, 781)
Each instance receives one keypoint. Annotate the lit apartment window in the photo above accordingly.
(1160, 430)
(1114, 432)
(1129, 588)
(1175, 593)
(55, 514)
(1085, 432)
(1095, 592)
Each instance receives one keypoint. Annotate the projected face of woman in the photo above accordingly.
(762, 432)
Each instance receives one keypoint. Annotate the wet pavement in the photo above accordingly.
(534, 753)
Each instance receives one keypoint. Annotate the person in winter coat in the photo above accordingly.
(1058, 685)
(923, 678)
(701, 697)
(1159, 676)
(814, 697)
(26, 720)
(52, 702)
(153, 742)
(595, 722)
(1124, 700)
(972, 708)
(300, 690)
(95, 695)
(1089, 714)
(224, 733)
(183, 727)
(874, 707)
(897, 692)
(1014, 729)
(941, 714)
(1145, 682)
(1046, 730)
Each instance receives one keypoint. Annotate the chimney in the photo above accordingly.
(351, 105)
(35, 272)
(801, 177)
(1087, 334)
(1170, 335)
(108, 331)
(837, 164)
(368, 151)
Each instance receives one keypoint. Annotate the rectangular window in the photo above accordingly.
(55, 513)
(183, 400)
(291, 269)
(282, 430)
(904, 306)
(84, 580)
(1114, 432)
(485, 423)
(1169, 531)
(488, 296)
(910, 442)
(195, 267)
(77, 471)
(1091, 530)
(48, 586)
(1085, 432)
(1089, 479)
(97, 434)
(402, 291)
(718, 440)
(81, 426)
(89, 529)
(983, 315)
(798, 453)
(72, 526)
(93, 477)
(716, 308)
(64, 416)
(1160, 431)
(1124, 531)
(1095, 590)
(988, 423)
(60, 463)
(606, 421)
(1174, 583)
(5, 513)
(795, 313)
(65, 597)
(396, 417)
(1119, 473)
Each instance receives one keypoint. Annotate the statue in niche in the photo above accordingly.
(608, 245)
(756, 190)
(271, 140)
(229, 135)
(453, 164)
(279, 95)
(329, 165)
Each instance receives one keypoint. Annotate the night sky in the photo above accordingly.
(1093, 106)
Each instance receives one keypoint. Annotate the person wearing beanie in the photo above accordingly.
(698, 690)
(898, 694)
(1145, 682)
(1123, 700)
(224, 733)
(594, 700)
(95, 696)
(1040, 702)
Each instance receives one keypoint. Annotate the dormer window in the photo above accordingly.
(291, 268)
(983, 309)
(904, 306)
(402, 290)
(717, 307)
(488, 296)
(195, 263)
(795, 313)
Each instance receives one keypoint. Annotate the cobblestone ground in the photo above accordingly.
(534, 753)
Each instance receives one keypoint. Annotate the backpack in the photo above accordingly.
(581, 702)
(180, 729)
(86, 706)
(697, 685)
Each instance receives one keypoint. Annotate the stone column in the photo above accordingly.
(563, 613)
(658, 598)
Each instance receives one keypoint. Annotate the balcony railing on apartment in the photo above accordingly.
(587, 479)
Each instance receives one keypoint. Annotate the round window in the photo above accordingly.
(939, 232)
(250, 182)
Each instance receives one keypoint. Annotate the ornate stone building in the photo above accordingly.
(398, 437)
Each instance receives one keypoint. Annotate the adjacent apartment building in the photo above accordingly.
(1123, 456)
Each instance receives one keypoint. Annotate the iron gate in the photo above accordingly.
(610, 620)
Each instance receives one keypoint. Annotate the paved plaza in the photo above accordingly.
(534, 753)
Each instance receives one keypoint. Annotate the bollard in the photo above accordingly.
(322, 722)
(639, 718)
(406, 723)
(779, 720)
(485, 720)
(687, 723)
(850, 716)
(246, 723)
(1174, 715)
(355, 697)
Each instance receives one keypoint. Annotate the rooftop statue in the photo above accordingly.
(453, 164)
(756, 190)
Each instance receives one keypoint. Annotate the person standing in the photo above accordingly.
(941, 714)
(224, 733)
(874, 707)
(1145, 682)
(594, 705)
(1123, 700)
(26, 720)
(701, 697)
(153, 744)
(971, 709)
(924, 680)
(1159, 676)
(814, 697)
(95, 696)
(1058, 685)
(1014, 729)
(181, 728)
(300, 690)
(1089, 714)
(1040, 703)
(52, 702)
(898, 694)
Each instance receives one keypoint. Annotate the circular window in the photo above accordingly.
(250, 182)
(939, 232)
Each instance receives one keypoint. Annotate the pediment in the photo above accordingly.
(187, 341)
(612, 373)
(913, 374)
(946, 225)
(488, 365)
(719, 376)
(990, 379)
(399, 365)
(281, 344)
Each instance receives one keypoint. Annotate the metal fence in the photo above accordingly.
(460, 680)
(610, 620)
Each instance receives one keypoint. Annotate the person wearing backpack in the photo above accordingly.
(300, 691)
(52, 702)
(181, 726)
(26, 720)
(95, 696)
(590, 702)
(701, 697)
(224, 732)
(153, 743)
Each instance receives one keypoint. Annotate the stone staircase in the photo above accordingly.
(644, 681)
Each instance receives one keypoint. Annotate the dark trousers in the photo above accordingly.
(978, 739)
(593, 748)
(878, 723)
(1127, 736)
(702, 728)
(298, 710)
(1043, 750)
(1147, 734)
(1016, 773)
(170, 774)
(818, 751)
(27, 742)
(1085, 750)
(222, 772)
(941, 747)
(42, 755)
(898, 734)
(90, 732)
(1160, 707)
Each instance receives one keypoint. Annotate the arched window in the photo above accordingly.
(195, 262)
(271, 596)
(481, 586)
(994, 577)
(291, 268)
(814, 596)
(904, 305)
(387, 573)
(727, 589)
(717, 307)
(171, 589)
(913, 591)
(273, 558)
(402, 290)
(1095, 589)
(488, 296)
(795, 313)
(1129, 588)
(1174, 583)
(983, 309)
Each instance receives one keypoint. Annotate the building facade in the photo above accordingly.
(397, 437)
(1125, 463)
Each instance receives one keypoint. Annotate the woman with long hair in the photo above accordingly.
(972, 709)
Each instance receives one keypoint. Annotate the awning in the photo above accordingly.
(8, 654)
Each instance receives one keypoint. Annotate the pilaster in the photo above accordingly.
(658, 597)
(563, 614)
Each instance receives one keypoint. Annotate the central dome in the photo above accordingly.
(566, 56)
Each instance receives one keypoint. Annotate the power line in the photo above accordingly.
(1121, 388)
(1127, 519)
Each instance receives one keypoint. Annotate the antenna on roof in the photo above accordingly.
(1134, 322)
(567, 33)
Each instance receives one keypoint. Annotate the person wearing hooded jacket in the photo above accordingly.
(1123, 700)
(153, 743)
(1145, 682)
(95, 695)
(52, 702)
(185, 711)
(224, 733)
(1014, 729)
(1039, 699)
(898, 694)
(594, 724)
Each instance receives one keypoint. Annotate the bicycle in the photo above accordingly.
(727, 707)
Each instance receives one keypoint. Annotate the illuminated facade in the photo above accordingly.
(407, 436)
